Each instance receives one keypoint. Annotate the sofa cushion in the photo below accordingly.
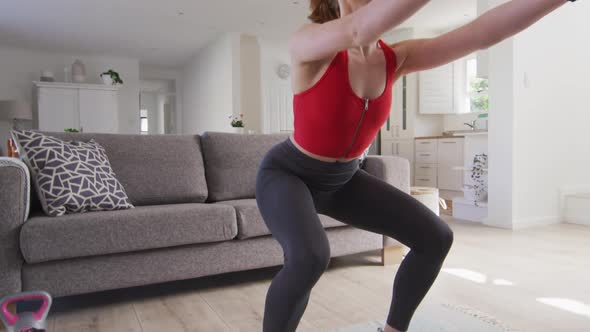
(70, 176)
(251, 224)
(146, 227)
(153, 169)
(232, 160)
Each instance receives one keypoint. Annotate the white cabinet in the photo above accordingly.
(450, 156)
(401, 148)
(450, 151)
(86, 107)
(58, 109)
(436, 90)
(98, 111)
(436, 163)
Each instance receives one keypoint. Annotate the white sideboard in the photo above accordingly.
(436, 163)
(86, 107)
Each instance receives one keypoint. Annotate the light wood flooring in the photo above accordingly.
(544, 262)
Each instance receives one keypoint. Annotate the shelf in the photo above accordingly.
(65, 85)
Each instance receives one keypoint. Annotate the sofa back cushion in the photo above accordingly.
(153, 169)
(232, 160)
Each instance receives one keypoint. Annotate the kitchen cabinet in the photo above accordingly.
(401, 148)
(436, 164)
(450, 156)
(86, 107)
(436, 90)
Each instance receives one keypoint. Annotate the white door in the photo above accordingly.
(405, 149)
(58, 109)
(98, 111)
(388, 148)
(278, 108)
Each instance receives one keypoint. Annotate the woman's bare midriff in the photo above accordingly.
(315, 156)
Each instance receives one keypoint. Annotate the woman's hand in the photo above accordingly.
(489, 29)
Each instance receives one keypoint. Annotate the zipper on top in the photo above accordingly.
(358, 126)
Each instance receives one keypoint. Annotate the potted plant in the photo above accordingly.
(111, 77)
(71, 130)
(237, 123)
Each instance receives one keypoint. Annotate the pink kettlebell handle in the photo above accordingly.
(40, 314)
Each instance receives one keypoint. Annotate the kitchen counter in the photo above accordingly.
(441, 136)
(460, 133)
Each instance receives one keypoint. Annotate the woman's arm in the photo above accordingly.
(490, 28)
(315, 41)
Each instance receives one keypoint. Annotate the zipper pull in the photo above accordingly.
(366, 103)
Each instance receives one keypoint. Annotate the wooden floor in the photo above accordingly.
(545, 262)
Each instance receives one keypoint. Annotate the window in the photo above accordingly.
(477, 89)
(143, 114)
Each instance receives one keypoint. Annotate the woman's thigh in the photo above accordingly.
(288, 210)
(369, 203)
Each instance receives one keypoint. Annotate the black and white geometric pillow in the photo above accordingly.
(70, 176)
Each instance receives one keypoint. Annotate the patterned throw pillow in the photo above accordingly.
(70, 176)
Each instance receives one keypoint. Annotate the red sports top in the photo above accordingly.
(331, 120)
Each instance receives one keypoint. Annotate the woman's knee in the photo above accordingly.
(441, 239)
(311, 262)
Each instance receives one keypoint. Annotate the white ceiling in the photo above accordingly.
(168, 33)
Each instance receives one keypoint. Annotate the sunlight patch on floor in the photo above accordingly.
(467, 274)
(502, 282)
(570, 305)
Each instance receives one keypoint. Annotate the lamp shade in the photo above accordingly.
(15, 109)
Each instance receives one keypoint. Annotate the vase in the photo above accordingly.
(78, 72)
(238, 130)
(107, 79)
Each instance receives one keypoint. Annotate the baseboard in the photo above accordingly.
(534, 222)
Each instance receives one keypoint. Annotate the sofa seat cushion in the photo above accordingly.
(251, 224)
(45, 238)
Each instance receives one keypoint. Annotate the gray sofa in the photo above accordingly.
(195, 215)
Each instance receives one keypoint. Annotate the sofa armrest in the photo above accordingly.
(393, 170)
(14, 211)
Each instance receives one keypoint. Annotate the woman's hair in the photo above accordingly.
(323, 10)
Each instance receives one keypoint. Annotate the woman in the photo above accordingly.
(343, 74)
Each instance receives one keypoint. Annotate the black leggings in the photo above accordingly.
(292, 188)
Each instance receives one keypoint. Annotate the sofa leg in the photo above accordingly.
(392, 255)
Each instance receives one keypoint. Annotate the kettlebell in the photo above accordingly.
(25, 321)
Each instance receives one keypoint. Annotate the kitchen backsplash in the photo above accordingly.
(456, 121)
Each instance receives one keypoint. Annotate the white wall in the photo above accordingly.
(208, 87)
(457, 121)
(538, 118)
(21, 67)
(501, 135)
(552, 113)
